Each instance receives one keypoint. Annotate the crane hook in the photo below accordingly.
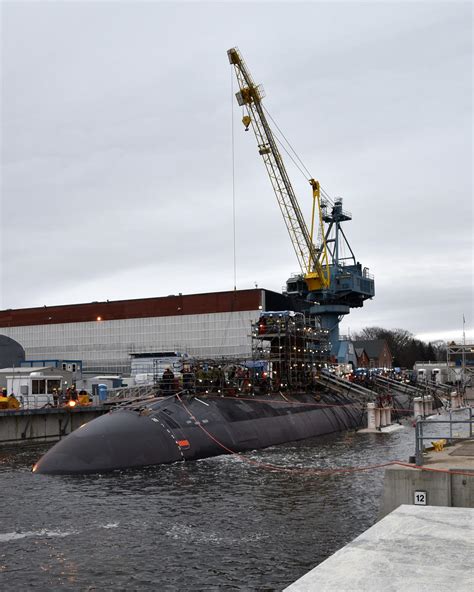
(246, 121)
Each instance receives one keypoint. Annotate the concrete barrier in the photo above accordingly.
(418, 408)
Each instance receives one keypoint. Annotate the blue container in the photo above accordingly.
(102, 390)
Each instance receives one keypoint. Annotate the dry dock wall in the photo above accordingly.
(43, 425)
(401, 484)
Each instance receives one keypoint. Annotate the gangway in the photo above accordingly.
(443, 389)
(425, 393)
(401, 387)
(344, 387)
(130, 393)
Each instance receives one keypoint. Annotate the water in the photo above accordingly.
(214, 524)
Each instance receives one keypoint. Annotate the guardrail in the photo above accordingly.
(420, 437)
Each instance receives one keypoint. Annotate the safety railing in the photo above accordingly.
(448, 435)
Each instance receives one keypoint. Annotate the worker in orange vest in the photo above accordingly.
(13, 402)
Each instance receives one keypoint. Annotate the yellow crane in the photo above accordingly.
(313, 258)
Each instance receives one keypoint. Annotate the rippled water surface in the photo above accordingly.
(216, 524)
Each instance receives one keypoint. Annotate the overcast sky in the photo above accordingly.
(116, 150)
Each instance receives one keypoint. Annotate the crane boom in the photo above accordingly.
(313, 259)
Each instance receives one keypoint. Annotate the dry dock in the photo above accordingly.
(414, 549)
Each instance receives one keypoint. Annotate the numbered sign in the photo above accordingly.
(420, 498)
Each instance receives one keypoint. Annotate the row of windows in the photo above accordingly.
(42, 386)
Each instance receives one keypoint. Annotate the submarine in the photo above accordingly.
(186, 427)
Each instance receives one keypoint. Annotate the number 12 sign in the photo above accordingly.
(420, 498)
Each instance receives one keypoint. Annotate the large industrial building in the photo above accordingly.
(104, 335)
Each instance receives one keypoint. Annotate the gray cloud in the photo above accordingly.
(116, 149)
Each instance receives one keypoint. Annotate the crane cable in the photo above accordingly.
(287, 141)
(233, 176)
(307, 175)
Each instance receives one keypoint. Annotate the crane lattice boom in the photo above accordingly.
(313, 259)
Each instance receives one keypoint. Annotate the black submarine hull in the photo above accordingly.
(182, 428)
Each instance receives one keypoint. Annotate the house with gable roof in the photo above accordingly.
(377, 353)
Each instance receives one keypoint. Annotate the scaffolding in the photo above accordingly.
(460, 362)
(289, 349)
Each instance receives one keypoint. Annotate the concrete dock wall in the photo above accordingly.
(43, 425)
(441, 488)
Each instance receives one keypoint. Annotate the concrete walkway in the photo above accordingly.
(413, 549)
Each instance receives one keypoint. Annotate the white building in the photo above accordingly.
(33, 387)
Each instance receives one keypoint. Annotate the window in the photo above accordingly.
(38, 387)
(53, 384)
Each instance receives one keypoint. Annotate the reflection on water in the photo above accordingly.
(214, 524)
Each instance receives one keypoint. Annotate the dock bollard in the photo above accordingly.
(383, 421)
(418, 407)
(373, 416)
(428, 405)
(378, 418)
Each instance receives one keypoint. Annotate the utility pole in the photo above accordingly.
(463, 357)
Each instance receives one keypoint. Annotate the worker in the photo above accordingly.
(63, 398)
(3, 399)
(167, 380)
(188, 379)
(13, 402)
(83, 397)
(55, 397)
